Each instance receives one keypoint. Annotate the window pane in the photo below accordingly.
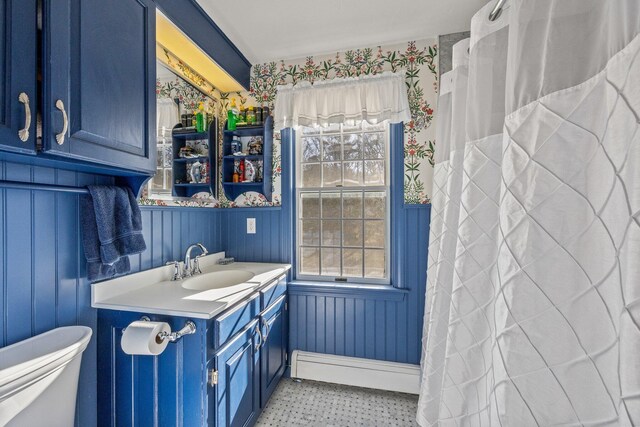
(352, 173)
(375, 205)
(160, 157)
(331, 261)
(333, 127)
(331, 232)
(310, 149)
(157, 182)
(352, 204)
(374, 263)
(310, 232)
(310, 206)
(352, 262)
(168, 179)
(311, 175)
(353, 233)
(352, 146)
(373, 127)
(374, 172)
(168, 156)
(310, 261)
(331, 174)
(374, 146)
(351, 125)
(331, 205)
(374, 233)
(331, 149)
(342, 231)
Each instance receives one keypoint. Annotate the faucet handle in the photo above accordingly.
(177, 274)
(196, 265)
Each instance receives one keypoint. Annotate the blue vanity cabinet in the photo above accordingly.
(274, 348)
(221, 376)
(99, 82)
(237, 393)
(18, 93)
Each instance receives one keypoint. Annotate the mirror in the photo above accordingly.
(190, 91)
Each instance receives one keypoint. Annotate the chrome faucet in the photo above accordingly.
(193, 267)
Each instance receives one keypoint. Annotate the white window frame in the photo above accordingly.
(386, 188)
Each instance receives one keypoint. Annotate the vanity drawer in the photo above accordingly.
(226, 325)
(271, 292)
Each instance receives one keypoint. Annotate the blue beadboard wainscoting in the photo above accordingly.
(42, 263)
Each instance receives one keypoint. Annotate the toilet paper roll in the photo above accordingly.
(141, 338)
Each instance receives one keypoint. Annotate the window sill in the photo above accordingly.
(378, 292)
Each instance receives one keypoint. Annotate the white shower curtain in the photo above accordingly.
(533, 294)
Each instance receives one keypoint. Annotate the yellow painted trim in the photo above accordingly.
(169, 37)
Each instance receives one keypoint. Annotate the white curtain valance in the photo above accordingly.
(371, 98)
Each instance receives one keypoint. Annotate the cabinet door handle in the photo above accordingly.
(65, 122)
(24, 133)
(268, 328)
(260, 338)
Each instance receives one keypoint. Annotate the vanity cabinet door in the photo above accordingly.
(237, 393)
(99, 82)
(18, 52)
(274, 349)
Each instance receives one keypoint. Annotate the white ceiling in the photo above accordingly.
(286, 29)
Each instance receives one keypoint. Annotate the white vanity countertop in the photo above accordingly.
(152, 291)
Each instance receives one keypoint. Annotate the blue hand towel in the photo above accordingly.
(112, 229)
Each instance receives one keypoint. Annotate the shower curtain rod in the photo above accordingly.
(497, 10)
(42, 187)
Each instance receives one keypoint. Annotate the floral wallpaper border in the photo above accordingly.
(419, 59)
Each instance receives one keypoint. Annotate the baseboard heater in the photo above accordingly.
(355, 371)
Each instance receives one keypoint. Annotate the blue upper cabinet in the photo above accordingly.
(99, 82)
(18, 53)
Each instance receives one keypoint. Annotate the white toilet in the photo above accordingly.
(39, 378)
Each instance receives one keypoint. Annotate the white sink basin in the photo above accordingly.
(217, 279)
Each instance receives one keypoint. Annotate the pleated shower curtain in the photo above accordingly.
(533, 293)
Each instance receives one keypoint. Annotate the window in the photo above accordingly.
(342, 193)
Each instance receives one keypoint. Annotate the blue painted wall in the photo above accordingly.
(376, 324)
(42, 263)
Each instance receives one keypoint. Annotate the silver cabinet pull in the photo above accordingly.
(65, 122)
(260, 338)
(268, 328)
(24, 133)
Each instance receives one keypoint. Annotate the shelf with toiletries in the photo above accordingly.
(247, 153)
(194, 161)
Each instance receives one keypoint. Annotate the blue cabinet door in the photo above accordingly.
(99, 82)
(18, 53)
(237, 393)
(274, 348)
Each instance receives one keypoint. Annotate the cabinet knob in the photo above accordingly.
(24, 133)
(65, 122)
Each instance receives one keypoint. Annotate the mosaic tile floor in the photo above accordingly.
(316, 404)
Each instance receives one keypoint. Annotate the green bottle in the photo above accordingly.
(232, 115)
(200, 118)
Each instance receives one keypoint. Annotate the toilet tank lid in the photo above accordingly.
(55, 346)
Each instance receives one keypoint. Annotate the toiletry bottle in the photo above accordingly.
(232, 115)
(200, 118)
(242, 117)
(251, 116)
(241, 171)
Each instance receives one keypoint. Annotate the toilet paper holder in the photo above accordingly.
(188, 329)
